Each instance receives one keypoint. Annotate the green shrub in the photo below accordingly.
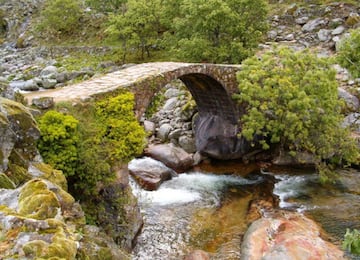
(349, 53)
(291, 100)
(60, 16)
(123, 136)
(59, 140)
(352, 241)
(104, 135)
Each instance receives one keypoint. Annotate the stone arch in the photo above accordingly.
(210, 96)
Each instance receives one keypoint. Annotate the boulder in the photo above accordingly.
(19, 134)
(287, 236)
(149, 173)
(149, 127)
(173, 157)
(43, 102)
(218, 138)
(187, 143)
(352, 102)
(28, 85)
(49, 72)
(163, 132)
(313, 24)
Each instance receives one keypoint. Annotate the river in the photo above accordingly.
(207, 208)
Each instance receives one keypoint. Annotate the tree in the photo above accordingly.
(60, 16)
(217, 30)
(291, 100)
(349, 53)
(138, 28)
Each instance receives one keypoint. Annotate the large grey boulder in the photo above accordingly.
(172, 156)
(218, 138)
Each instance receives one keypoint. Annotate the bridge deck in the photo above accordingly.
(108, 82)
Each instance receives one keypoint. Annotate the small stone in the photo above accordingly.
(187, 143)
(302, 20)
(43, 102)
(172, 92)
(175, 134)
(49, 72)
(170, 104)
(149, 127)
(313, 24)
(339, 30)
(353, 19)
(49, 83)
(324, 35)
(164, 131)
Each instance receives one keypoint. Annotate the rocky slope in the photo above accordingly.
(38, 217)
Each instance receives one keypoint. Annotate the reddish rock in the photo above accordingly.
(173, 157)
(287, 236)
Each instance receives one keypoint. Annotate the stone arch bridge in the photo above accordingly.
(211, 85)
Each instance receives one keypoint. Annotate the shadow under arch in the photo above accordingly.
(210, 96)
(217, 125)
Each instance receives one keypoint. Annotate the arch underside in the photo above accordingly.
(216, 127)
(210, 96)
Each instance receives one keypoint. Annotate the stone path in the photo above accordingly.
(108, 82)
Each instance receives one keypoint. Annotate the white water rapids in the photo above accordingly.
(168, 211)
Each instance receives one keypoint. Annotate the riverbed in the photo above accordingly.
(207, 208)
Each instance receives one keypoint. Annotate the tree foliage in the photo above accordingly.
(192, 30)
(138, 28)
(349, 53)
(291, 100)
(60, 16)
(218, 31)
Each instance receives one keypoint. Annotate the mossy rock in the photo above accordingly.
(61, 247)
(37, 201)
(23, 124)
(35, 248)
(17, 174)
(5, 182)
(50, 174)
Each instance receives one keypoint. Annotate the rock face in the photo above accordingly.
(19, 134)
(150, 173)
(172, 156)
(287, 236)
(39, 219)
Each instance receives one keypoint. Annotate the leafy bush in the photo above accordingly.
(59, 140)
(291, 100)
(60, 16)
(352, 241)
(349, 53)
(105, 134)
(121, 134)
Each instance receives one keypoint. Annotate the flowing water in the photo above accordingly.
(208, 211)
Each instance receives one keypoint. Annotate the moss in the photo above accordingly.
(52, 175)
(62, 246)
(35, 248)
(5, 182)
(36, 201)
(17, 174)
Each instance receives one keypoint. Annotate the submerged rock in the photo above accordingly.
(287, 236)
(172, 156)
